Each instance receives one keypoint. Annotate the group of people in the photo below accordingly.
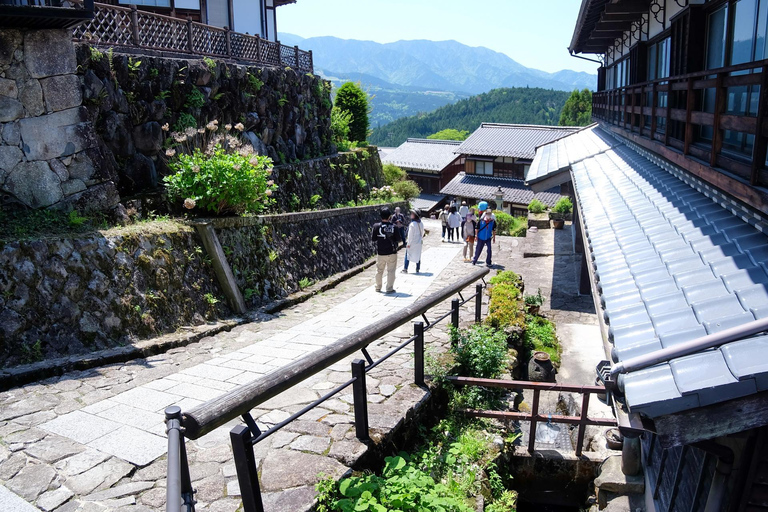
(477, 232)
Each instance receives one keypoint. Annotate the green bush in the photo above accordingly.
(385, 193)
(505, 307)
(564, 205)
(506, 277)
(195, 99)
(406, 189)
(481, 351)
(540, 336)
(223, 183)
(507, 502)
(536, 206)
(352, 99)
(392, 174)
(519, 226)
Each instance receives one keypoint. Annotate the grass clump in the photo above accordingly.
(536, 206)
(540, 336)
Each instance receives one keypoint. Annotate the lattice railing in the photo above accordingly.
(127, 26)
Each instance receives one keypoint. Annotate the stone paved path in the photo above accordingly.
(130, 425)
(59, 449)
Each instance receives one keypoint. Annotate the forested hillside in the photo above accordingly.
(508, 105)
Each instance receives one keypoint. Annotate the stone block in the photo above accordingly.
(53, 499)
(72, 186)
(9, 157)
(61, 92)
(9, 41)
(34, 184)
(148, 137)
(10, 134)
(10, 109)
(60, 169)
(31, 96)
(81, 167)
(612, 479)
(286, 469)
(49, 53)
(32, 481)
(55, 135)
(8, 88)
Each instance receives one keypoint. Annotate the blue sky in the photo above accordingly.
(534, 33)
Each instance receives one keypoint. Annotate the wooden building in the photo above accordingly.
(430, 163)
(671, 203)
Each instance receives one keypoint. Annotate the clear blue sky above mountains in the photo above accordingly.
(534, 33)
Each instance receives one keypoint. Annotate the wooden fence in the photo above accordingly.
(132, 28)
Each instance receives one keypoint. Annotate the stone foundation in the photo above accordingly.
(49, 154)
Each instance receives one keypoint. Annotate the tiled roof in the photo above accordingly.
(485, 187)
(427, 154)
(558, 156)
(511, 140)
(672, 266)
(427, 201)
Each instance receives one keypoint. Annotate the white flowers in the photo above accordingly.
(189, 203)
(170, 152)
(268, 192)
(227, 127)
(239, 127)
(195, 168)
(190, 132)
(212, 126)
(166, 127)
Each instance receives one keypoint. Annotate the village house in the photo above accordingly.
(669, 189)
(495, 158)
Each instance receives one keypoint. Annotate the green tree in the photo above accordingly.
(450, 134)
(340, 121)
(392, 174)
(577, 110)
(352, 98)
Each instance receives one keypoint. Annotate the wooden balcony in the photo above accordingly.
(696, 120)
(42, 14)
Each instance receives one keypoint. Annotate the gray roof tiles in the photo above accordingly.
(511, 140)
(486, 187)
(671, 266)
(426, 154)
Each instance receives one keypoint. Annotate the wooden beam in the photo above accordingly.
(604, 34)
(607, 16)
(713, 421)
(613, 25)
(628, 7)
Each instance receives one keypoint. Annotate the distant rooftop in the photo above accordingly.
(485, 187)
(511, 140)
(426, 154)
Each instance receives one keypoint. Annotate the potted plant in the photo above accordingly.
(561, 212)
(533, 302)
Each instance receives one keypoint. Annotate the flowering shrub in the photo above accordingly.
(215, 171)
(385, 193)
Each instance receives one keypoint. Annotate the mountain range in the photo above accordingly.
(408, 78)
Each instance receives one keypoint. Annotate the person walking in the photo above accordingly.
(398, 219)
(454, 222)
(444, 220)
(469, 236)
(384, 235)
(463, 211)
(415, 242)
(486, 236)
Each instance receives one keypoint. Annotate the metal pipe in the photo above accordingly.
(690, 347)
(173, 485)
(719, 486)
(584, 58)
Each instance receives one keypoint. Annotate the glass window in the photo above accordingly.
(716, 33)
(485, 168)
(743, 29)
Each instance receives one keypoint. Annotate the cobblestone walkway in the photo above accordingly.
(93, 440)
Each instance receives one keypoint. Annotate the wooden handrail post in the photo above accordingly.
(583, 423)
(258, 49)
(135, 25)
(228, 40)
(654, 101)
(690, 103)
(190, 39)
(279, 53)
(668, 112)
(311, 62)
(717, 136)
(534, 414)
(296, 52)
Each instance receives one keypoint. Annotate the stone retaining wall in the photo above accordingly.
(67, 296)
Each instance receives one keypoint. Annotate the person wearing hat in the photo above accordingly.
(485, 235)
(385, 235)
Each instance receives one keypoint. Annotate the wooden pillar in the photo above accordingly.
(758, 158)
(717, 135)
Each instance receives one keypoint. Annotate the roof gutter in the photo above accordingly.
(690, 347)
(584, 58)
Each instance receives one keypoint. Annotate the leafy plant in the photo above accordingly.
(392, 174)
(273, 255)
(254, 83)
(96, 54)
(133, 67)
(506, 277)
(195, 98)
(505, 308)
(481, 351)
(184, 122)
(221, 182)
(163, 95)
(153, 72)
(540, 336)
(315, 199)
(536, 206)
(534, 300)
(507, 502)
(351, 98)
(563, 205)
(210, 299)
(577, 110)
(305, 282)
(282, 101)
(450, 134)
(76, 220)
(210, 63)
(340, 120)
(407, 189)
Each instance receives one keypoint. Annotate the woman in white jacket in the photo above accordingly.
(415, 240)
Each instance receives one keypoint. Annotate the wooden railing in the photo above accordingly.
(133, 28)
(677, 111)
(535, 416)
(44, 13)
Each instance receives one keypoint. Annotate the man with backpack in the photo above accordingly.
(385, 235)
(485, 236)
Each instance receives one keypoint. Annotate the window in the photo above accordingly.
(658, 67)
(485, 168)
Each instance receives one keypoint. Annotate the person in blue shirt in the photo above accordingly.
(485, 236)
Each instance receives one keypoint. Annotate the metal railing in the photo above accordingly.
(240, 401)
(582, 420)
(668, 110)
(130, 27)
